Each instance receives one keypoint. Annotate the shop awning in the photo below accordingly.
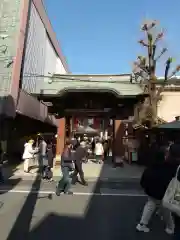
(29, 106)
(171, 125)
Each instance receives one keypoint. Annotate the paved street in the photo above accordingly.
(112, 213)
(92, 171)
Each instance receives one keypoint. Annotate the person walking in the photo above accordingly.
(174, 154)
(80, 153)
(155, 181)
(106, 149)
(28, 155)
(99, 152)
(1, 164)
(93, 144)
(177, 227)
(48, 174)
(42, 155)
(66, 167)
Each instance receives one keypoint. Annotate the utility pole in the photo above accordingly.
(147, 74)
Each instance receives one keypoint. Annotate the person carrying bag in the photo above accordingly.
(155, 181)
(171, 199)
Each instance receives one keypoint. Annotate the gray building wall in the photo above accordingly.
(9, 29)
(35, 54)
(40, 56)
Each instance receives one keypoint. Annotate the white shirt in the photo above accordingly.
(99, 150)
(28, 151)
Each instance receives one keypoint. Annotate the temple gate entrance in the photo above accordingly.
(110, 98)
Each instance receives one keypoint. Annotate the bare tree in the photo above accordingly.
(145, 72)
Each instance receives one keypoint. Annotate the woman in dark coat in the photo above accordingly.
(1, 164)
(48, 174)
(155, 181)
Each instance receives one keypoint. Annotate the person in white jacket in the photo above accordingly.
(28, 154)
(99, 151)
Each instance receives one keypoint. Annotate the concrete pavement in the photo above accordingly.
(108, 208)
(43, 215)
(97, 188)
(104, 172)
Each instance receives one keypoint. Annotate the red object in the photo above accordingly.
(75, 123)
(96, 123)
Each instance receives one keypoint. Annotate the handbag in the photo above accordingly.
(171, 199)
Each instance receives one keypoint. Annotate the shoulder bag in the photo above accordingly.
(171, 199)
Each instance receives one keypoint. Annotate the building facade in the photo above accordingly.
(42, 54)
(28, 50)
(168, 106)
(105, 96)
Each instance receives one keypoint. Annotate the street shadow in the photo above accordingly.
(20, 230)
(107, 215)
(104, 217)
(8, 185)
(7, 115)
(9, 170)
(108, 223)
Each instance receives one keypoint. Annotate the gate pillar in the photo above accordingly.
(61, 134)
(118, 147)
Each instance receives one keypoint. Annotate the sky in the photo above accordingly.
(101, 36)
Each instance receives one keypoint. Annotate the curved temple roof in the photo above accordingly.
(118, 84)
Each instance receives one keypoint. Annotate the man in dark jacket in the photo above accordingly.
(66, 167)
(48, 174)
(80, 153)
(1, 164)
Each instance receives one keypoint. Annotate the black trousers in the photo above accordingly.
(1, 174)
(78, 170)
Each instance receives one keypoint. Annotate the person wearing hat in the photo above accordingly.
(80, 153)
(28, 154)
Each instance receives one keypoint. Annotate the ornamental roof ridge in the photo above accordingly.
(125, 78)
(94, 75)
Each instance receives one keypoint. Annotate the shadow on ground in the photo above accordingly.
(11, 183)
(8, 172)
(107, 218)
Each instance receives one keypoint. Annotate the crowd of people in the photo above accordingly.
(155, 179)
(96, 148)
(44, 152)
(75, 152)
